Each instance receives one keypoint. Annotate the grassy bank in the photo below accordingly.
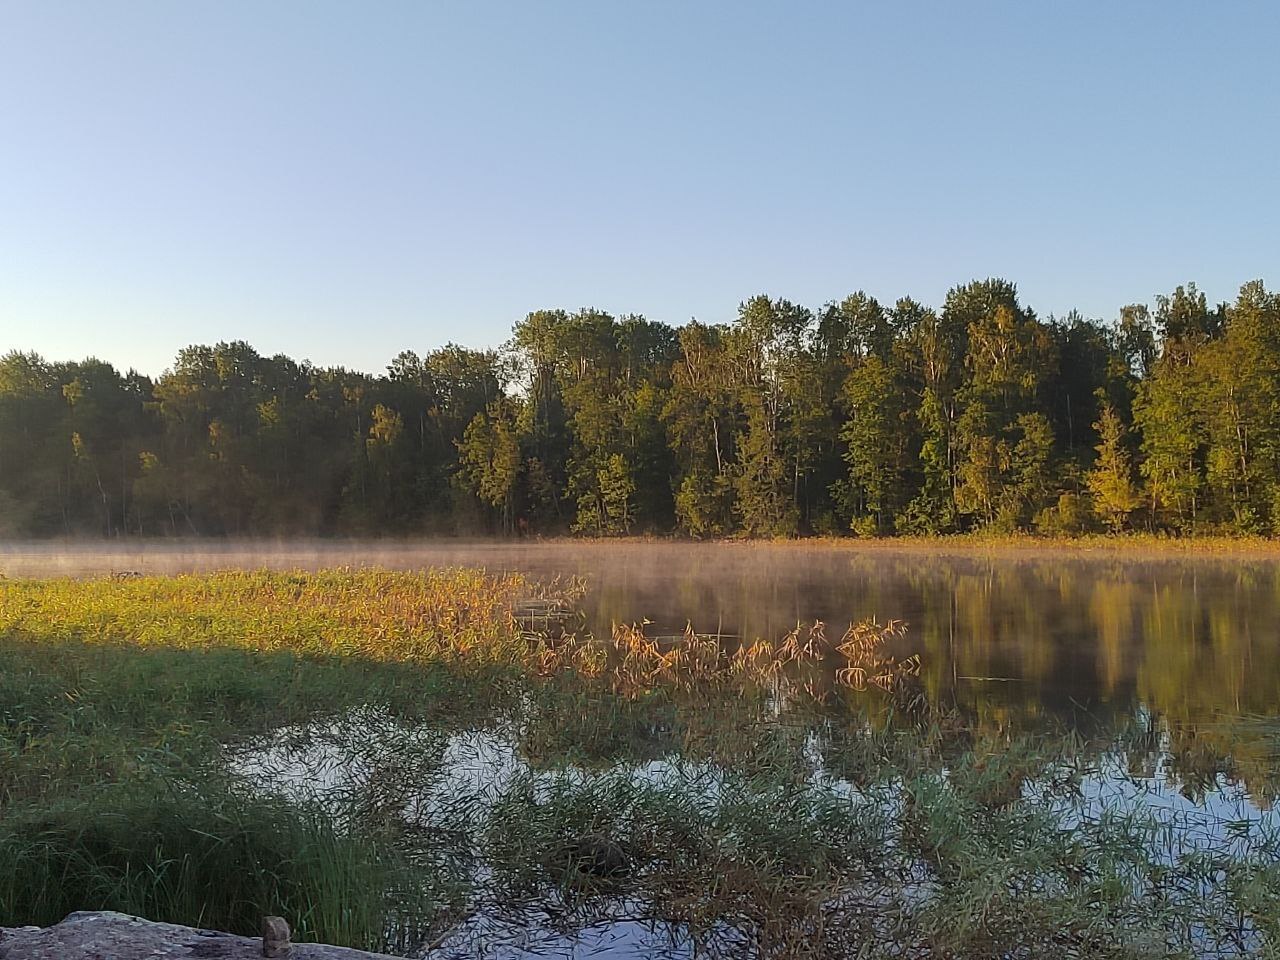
(378, 756)
(371, 614)
(119, 700)
(1139, 545)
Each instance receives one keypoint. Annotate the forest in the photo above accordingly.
(857, 418)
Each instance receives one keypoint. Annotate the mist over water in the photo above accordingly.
(1027, 633)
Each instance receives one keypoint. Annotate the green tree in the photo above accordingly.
(1003, 440)
(763, 343)
(490, 460)
(933, 509)
(878, 420)
(1169, 409)
(1110, 481)
(538, 344)
(606, 510)
(1240, 374)
(935, 346)
(873, 445)
(701, 417)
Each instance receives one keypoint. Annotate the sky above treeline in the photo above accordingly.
(341, 181)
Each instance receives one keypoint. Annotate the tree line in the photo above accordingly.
(856, 418)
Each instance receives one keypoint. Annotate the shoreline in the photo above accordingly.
(78, 556)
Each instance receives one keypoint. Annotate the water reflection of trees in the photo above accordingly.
(1017, 643)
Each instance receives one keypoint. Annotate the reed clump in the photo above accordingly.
(635, 662)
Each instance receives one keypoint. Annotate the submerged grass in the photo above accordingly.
(206, 750)
(756, 865)
(735, 860)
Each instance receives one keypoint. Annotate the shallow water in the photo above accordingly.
(459, 777)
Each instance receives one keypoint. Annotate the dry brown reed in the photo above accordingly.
(636, 662)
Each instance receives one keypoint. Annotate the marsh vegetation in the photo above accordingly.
(447, 762)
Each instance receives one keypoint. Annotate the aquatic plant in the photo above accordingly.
(634, 661)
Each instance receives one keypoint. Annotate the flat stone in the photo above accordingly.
(106, 935)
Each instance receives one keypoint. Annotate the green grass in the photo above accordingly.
(207, 854)
(120, 699)
(375, 615)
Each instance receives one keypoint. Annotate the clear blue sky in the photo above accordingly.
(342, 181)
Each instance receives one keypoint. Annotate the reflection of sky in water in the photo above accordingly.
(528, 937)
(333, 761)
(368, 752)
(1224, 820)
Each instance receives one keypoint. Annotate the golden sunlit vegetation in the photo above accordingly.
(456, 615)
(376, 615)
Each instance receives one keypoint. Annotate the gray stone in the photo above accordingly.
(276, 937)
(117, 936)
